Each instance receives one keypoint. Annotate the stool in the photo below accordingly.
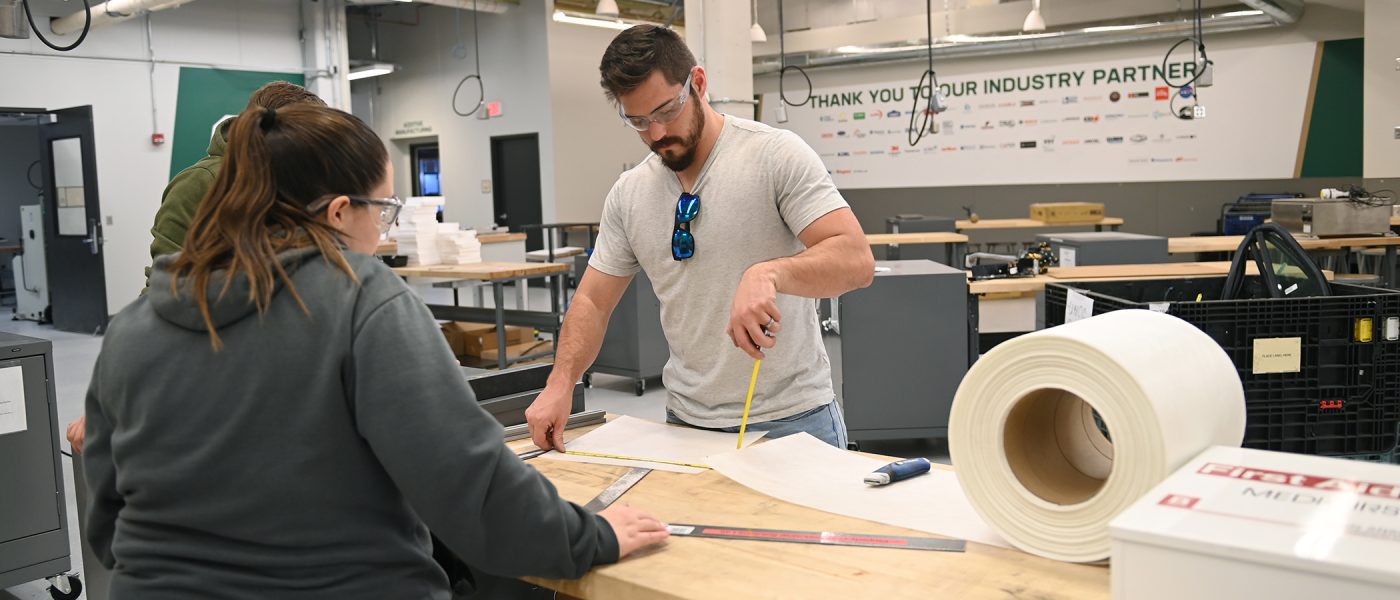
(1366, 279)
(1371, 260)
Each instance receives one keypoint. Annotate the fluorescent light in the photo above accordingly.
(1242, 13)
(607, 8)
(756, 33)
(1109, 28)
(563, 17)
(371, 70)
(1034, 22)
(959, 38)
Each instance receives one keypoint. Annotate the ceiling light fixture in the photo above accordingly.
(607, 8)
(370, 70)
(756, 33)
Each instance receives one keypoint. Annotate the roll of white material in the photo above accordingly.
(1032, 459)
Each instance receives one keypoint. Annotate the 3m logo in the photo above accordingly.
(1176, 501)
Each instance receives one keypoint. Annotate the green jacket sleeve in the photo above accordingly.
(177, 207)
(445, 453)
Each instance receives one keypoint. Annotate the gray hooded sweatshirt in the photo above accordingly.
(309, 457)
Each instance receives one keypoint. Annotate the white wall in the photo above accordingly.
(1382, 150)
(1322, 20)
(592, 146)
(514, 67)
(109, 71)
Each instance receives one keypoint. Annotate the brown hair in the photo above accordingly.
(636, 52)
(278, 94)
(277, 163)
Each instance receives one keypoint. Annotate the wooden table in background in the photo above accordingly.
(984, 224)
(1228, 243)
(955, 243)
(1031, 285)
(497, 274)
(391, 247)
(693, 568)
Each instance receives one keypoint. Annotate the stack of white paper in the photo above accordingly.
(457, 246)
(417, 231)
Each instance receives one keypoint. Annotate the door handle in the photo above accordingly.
(94, 240)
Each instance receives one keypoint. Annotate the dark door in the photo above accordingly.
(73, 222)
(515, 174)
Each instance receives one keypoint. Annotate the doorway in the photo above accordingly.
(515, 174)
(71, 220)
(426, 167)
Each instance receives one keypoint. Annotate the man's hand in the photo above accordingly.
(75, 434)
(635, 529)
(754, 319)
(548, 415)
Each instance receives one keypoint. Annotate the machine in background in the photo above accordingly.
(30, 268)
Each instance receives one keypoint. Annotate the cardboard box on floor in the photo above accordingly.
(515, 351)
(1067, 212)
(474, 339)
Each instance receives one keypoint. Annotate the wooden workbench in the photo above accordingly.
(1030, 285)
(392, 246)
(936, 237)
(1228, 243)
(484, 271)
(691, 568)
(984, 224)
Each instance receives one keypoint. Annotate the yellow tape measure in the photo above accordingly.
(638, 459)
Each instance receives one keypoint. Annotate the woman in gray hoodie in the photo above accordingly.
(280, 417)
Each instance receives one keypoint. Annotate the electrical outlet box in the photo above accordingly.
(1198, 112)
(1397, 132)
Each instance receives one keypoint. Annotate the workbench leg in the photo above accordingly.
(499, 294)
(555, 291)
(480, 295)
(456, 300)
(522, 294)
(1388, 277)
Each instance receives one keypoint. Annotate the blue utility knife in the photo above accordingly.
(897, 471)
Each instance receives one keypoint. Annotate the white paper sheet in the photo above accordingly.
(13, 418)
(627, 436)
(804, 470)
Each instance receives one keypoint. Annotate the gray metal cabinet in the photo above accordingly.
(33, 515)
(905, 344)
(634, 345)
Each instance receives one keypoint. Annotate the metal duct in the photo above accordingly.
(1286, 12)
(1279, 12)
(12, 24)
(107, 13)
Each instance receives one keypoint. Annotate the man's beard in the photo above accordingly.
(690, 144)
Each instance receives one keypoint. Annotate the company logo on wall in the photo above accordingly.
(987, 105)
(1025, 103)
(1094, 141)
(1138, 138)
(1007, 124)
(843, 118)
(1009, 145)
(1115, 96)
(1093, 98)
(1113, 116)
(967, 148)
(1030, 144)
(988, 125)
(1070, 100)
(843, 154)
(1070, 143)
(950, 148)
(1030, 122)
(877, 114)
(1188, 136)
(828, 135)
(1049, 121)
(987, 147)
(1186, 92)
(841, 134)
(860, 116)
(1091, 119)
(967, 126)
(858, 133)
(1007, 105)
(1117, 139)
(826, 118)
(1140, 95)
(1164, 93)
(894, 114)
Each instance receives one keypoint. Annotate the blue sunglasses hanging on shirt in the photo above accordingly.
(682, 240)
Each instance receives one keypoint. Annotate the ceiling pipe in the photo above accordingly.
(1282, 12)
(107, 13)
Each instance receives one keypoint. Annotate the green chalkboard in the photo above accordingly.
(1334, 135)
(205, 96)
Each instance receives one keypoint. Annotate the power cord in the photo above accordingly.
(783, 102)
(1198, 45)
(480, 88)
(933, 105)
(87, 25)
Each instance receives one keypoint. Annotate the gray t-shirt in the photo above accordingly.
(758, 190)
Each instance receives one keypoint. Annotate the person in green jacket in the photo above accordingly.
(280, 418)
(180, 200)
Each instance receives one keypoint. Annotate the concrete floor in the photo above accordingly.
(75, 355)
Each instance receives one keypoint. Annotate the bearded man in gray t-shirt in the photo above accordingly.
(739, 228)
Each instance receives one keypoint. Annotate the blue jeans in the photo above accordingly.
(826, 423)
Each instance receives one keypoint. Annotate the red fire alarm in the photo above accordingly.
(157, 139)
(493, 109)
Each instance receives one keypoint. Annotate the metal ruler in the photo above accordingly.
(826, 538)
(616, 490)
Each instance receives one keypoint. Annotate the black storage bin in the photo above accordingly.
(1345, 399)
